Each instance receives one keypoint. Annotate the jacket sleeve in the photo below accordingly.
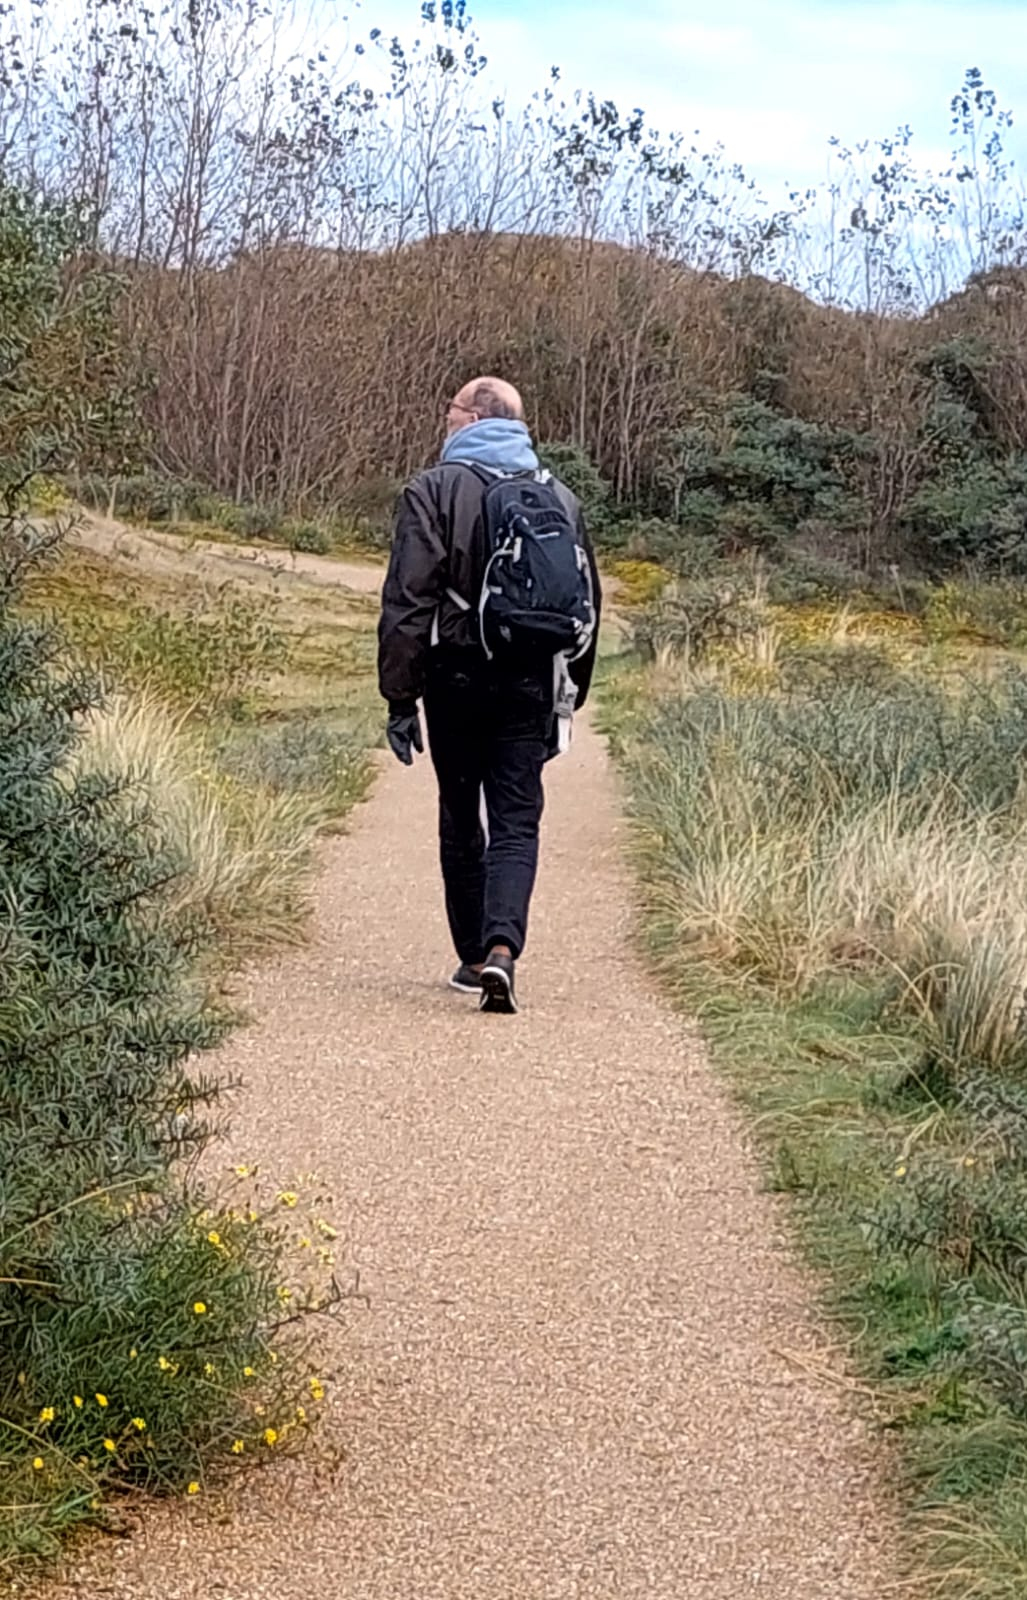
(581, 670)
(414, 585)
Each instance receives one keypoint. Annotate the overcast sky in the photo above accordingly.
(771, 79)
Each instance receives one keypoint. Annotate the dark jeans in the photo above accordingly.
(488, 736)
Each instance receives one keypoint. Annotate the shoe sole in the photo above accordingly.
(465, 988)
(497, 996)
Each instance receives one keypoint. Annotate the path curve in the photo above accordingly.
(172, 553)
(569, 1383)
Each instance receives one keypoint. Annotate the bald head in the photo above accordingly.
(485, 397)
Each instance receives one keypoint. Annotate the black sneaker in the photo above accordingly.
(465, 980)
(497, 985)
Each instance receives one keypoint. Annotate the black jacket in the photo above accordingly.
(439, 544)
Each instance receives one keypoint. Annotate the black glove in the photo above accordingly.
(404, 732)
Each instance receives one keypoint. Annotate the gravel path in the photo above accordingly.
(569, 1382)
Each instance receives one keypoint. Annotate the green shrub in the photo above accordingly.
(800, 578)
(687, 622)
(46, 497)
(653, 539)
(132, 1308)
(261, 521)
(995, 611)
(64, 397)
(148, 1360)
(219, 512)
(308, 537)
(212, 656)
(146, 498)
(364, 515)
(574, 467)
(91, 489)
(639, 583)
(747, 475)
(972, 512)
(303, 756)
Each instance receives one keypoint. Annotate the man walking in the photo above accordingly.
(490, 614)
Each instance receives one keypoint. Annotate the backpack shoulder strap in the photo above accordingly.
(486, 479)
(483, 474)
(489, 476)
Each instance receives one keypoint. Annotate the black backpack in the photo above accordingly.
(536, 596)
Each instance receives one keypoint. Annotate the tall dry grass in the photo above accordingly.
(245, 848)
(806, 837)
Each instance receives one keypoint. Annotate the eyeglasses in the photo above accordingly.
(454, 405)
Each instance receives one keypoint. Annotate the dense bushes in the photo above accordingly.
(926, 472)
(750, 476)
(132, 1308)
(745, 478)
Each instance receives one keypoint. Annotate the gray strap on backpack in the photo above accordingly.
(461, 605)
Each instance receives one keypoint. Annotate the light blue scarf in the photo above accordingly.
(495, 442)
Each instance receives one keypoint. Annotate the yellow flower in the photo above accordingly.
(193, 1488)
(37, 1465)
(47, 1415)
(284, 1294)
(270, 1437)
(77, 1400)
(139, 1424)
(242, 1171)
(200, 1308)
(248, 1372)
(101, 1401)
(970, 1161)
(317, 1389)
(274, 1357)
(254, 1217)
(109, 1446)
(238, 1447)
(209, 1369)
(133, 1354)
(326, 1230)
(305, 1244)
(900, 1172)
(214, 1238)
(301, 1415)
(288, 1198)
(164, 1364)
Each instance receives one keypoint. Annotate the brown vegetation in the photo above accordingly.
(314, 257)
